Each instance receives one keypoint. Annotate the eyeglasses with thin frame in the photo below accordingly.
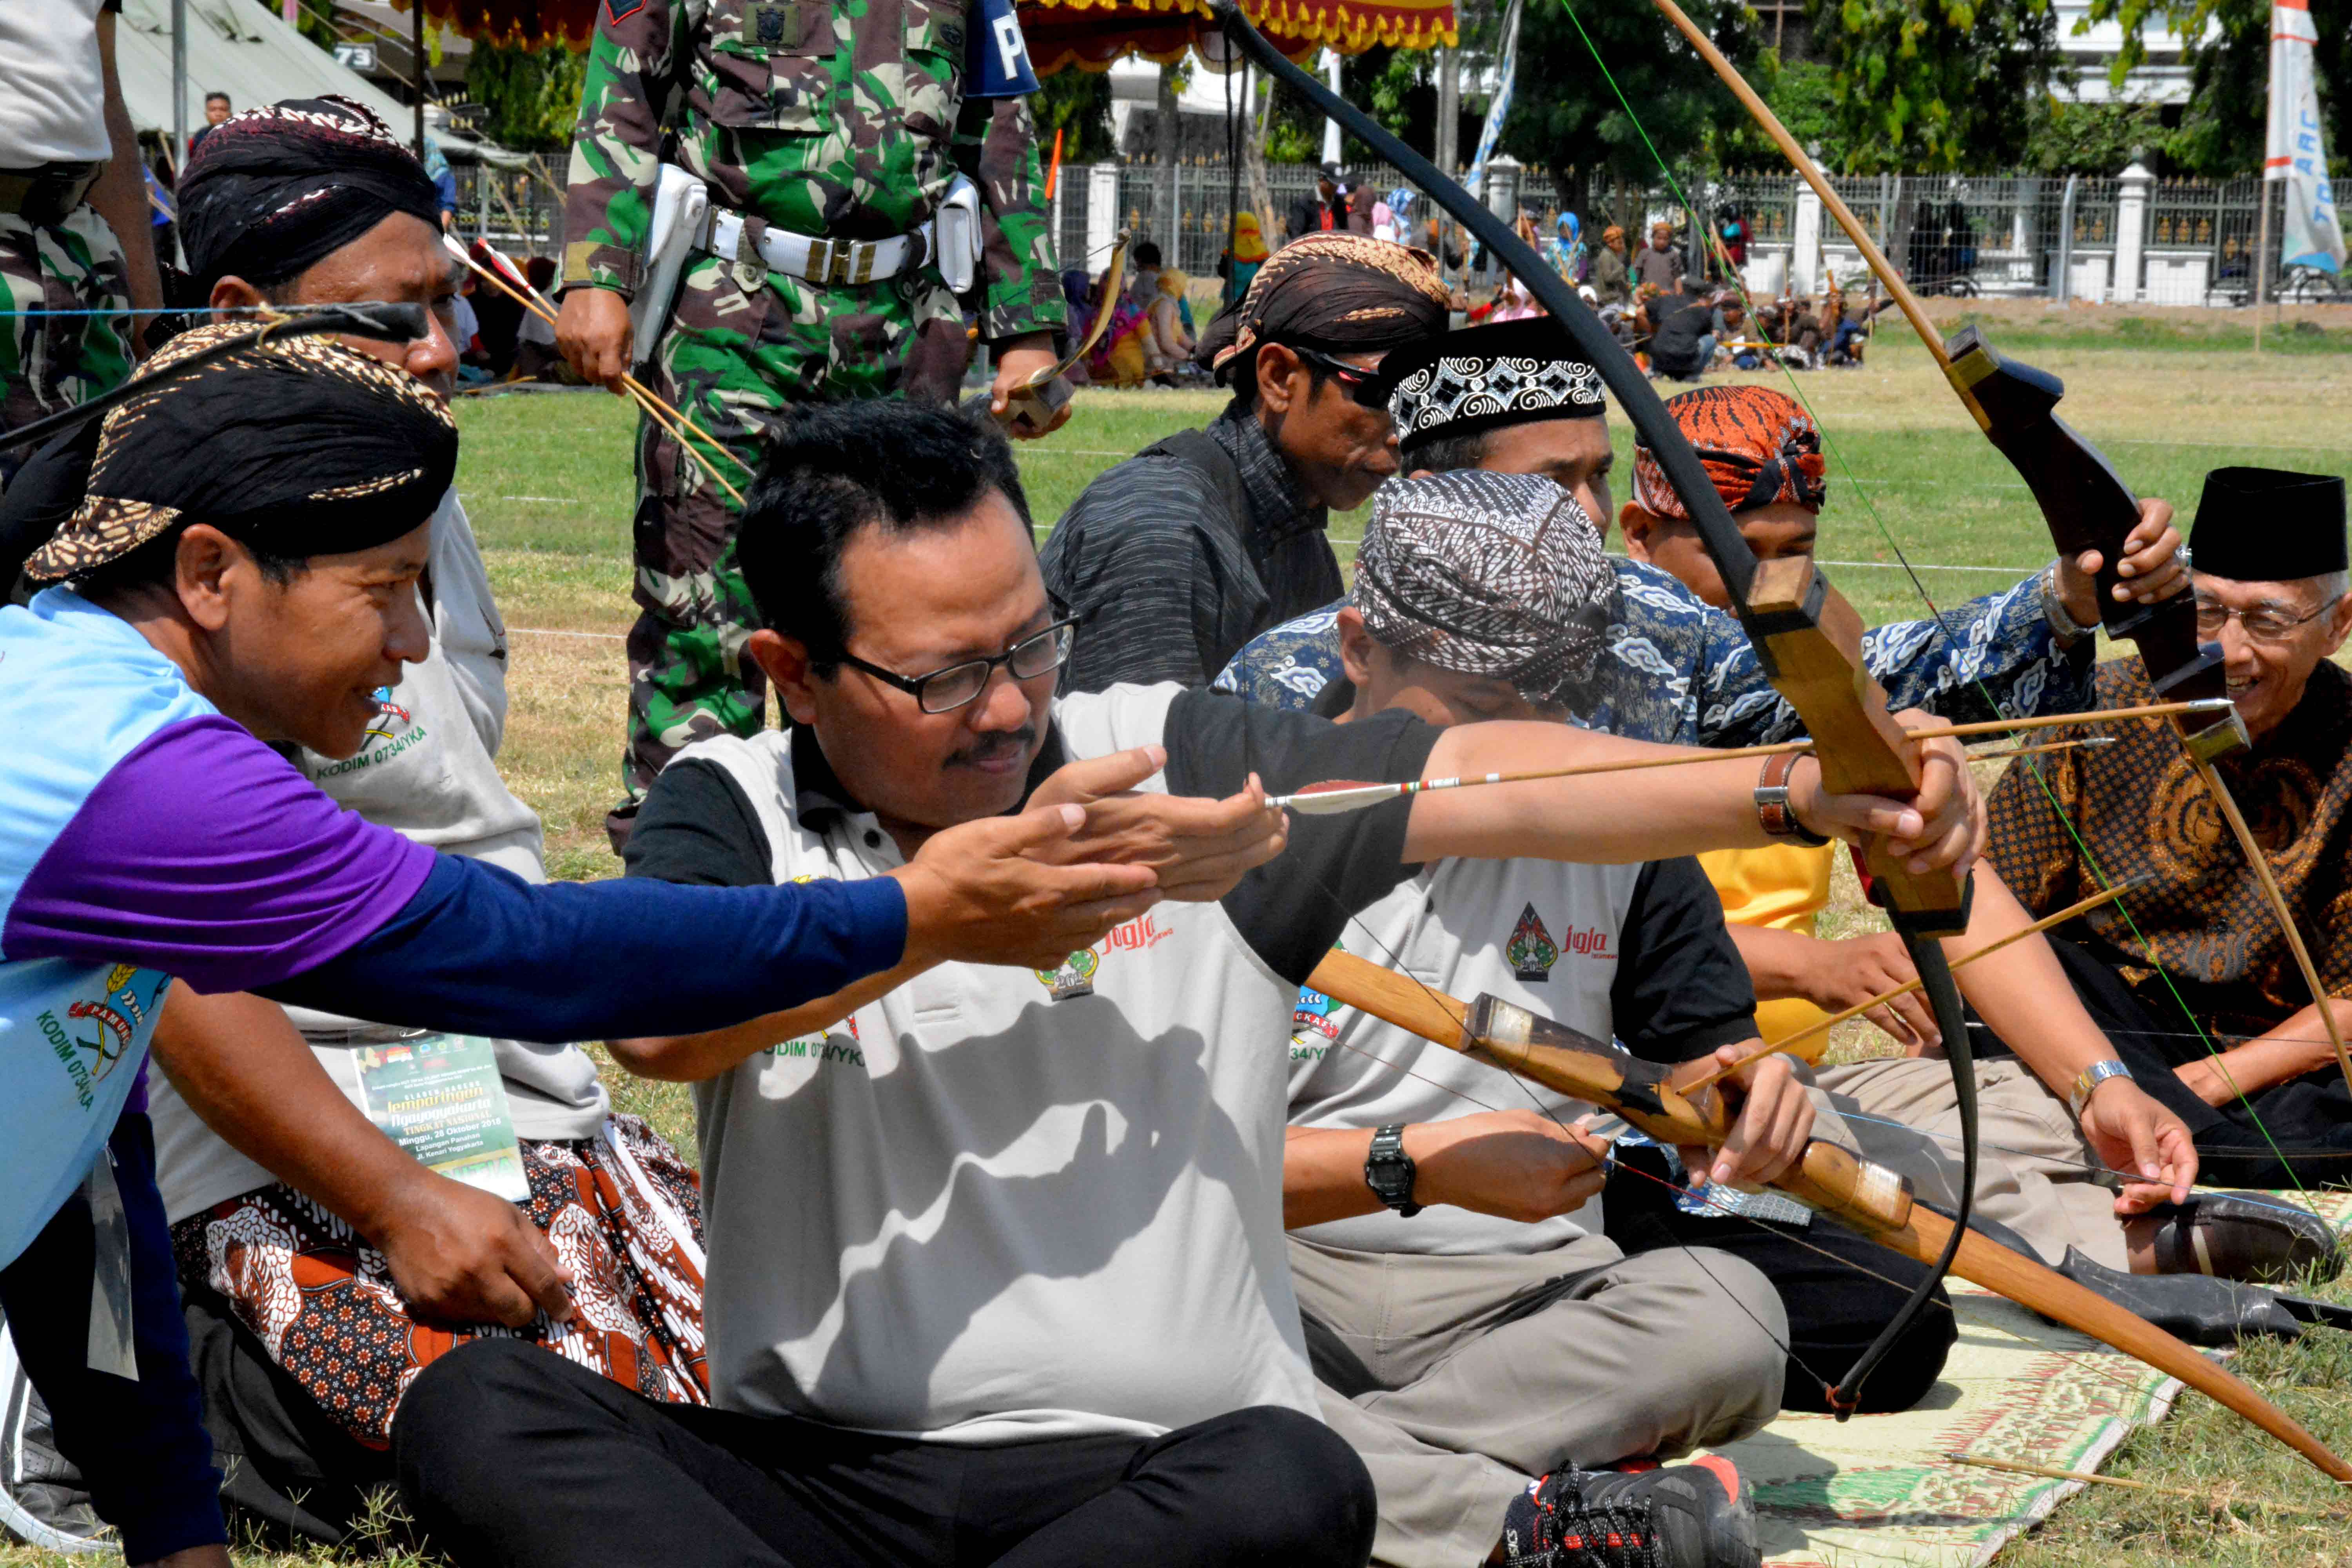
(945, 691)
(2263, 623)
(1367, 386)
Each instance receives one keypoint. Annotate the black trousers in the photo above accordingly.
(510, 1455)
(1839, 1288)
(138, 1443)
(2298, 1133)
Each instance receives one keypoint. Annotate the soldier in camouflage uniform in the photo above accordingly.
(69, 185)
(840, 118)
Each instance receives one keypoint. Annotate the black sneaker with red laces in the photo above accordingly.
(1678, 1516)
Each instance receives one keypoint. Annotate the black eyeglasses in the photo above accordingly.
(945, 691)
(1367, 387)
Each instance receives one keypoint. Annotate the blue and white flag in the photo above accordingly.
(2295, 151)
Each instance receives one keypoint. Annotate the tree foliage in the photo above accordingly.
(2220, 129)
(1077, 104)
(1931, 85)
(531, 96)
(1566, 116)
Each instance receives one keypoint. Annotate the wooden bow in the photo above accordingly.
(2085, 501)
(1870, 1198)
(1807, 637)
(1034, 403)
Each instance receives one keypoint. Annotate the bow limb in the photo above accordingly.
(1807, 637)
(1034, 401)
(1870, 1198)
(2083, 500)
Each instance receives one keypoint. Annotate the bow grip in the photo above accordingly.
(2087, 506)
(1811, 639)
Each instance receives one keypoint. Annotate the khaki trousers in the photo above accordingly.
(1458, 1379)
(2031, 1174)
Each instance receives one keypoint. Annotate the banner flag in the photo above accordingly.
(2295, 148)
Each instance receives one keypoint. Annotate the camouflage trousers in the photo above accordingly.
(53, 361)
(743, 346)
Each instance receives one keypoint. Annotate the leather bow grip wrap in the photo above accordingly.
(1830, 1180)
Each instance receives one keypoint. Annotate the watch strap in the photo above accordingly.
(1389, 1171)
(1772, 812)
(2089, 1078)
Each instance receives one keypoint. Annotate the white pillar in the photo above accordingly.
(2131, 231)
(1805, 243)
(1102, 215)
(1330, 126)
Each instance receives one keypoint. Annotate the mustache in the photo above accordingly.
(990, 747)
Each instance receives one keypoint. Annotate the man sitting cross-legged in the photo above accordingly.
(1501, 1335)
(996, 1264)
(2218, 1023)
(319, 1281)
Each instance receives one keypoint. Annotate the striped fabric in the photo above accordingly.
(1167, 582)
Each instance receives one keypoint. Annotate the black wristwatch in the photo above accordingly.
(1389, 1171)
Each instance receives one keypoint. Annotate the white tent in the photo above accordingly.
(234, 46)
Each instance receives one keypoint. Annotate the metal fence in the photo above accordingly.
(2129, 237)
(520, 210)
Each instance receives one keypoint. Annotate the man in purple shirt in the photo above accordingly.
(237, 562)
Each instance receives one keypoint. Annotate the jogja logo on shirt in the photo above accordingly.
(1531, 950)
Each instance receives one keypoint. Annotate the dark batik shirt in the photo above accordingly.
(1167, 582)
(2142, 812)
(1681, 671)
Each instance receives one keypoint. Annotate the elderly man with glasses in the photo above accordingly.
(2190, 973)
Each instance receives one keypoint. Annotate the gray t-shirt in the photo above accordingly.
(429, 771)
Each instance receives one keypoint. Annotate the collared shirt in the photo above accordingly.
(999, 1206)
(1167, 578)
(1683, 672)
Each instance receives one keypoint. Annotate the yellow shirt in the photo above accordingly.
(1782, 886)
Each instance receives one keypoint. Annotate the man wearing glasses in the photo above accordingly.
(996, 1269)
(2270, 570)
(1175, 558)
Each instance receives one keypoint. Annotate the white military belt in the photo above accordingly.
(821, 260)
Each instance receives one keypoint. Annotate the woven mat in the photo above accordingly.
(1878, 1490)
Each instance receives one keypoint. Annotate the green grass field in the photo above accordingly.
(547, 481)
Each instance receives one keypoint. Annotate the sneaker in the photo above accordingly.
(1676, 1516)
(41, 1499)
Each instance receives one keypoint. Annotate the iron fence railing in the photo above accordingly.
(2167, 242)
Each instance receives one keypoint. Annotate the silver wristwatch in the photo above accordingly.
(2063, 624)
(2089, 1078)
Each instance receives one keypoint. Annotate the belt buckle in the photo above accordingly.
(820, 260)
(862, 258)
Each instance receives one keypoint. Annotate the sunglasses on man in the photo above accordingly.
(1365, 384)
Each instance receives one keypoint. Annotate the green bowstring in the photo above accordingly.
(1886, 534)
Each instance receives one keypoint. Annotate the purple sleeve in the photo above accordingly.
(203, 854)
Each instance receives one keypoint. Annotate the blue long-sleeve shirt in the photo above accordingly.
(1680, 671)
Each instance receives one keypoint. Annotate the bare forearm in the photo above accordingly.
(2296, 1047)
(1610, 818)
(2023, 994)
(689, 1059)
(1323, 1175)
(1780, 963)
(246, 1070)
(120, 193)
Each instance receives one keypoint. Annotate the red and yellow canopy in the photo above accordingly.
(1088, 34)
(1092, 34)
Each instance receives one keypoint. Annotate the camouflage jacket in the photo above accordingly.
(840, 118)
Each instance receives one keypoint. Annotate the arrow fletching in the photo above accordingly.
(1336, 795)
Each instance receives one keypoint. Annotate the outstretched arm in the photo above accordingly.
(1705, 804)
